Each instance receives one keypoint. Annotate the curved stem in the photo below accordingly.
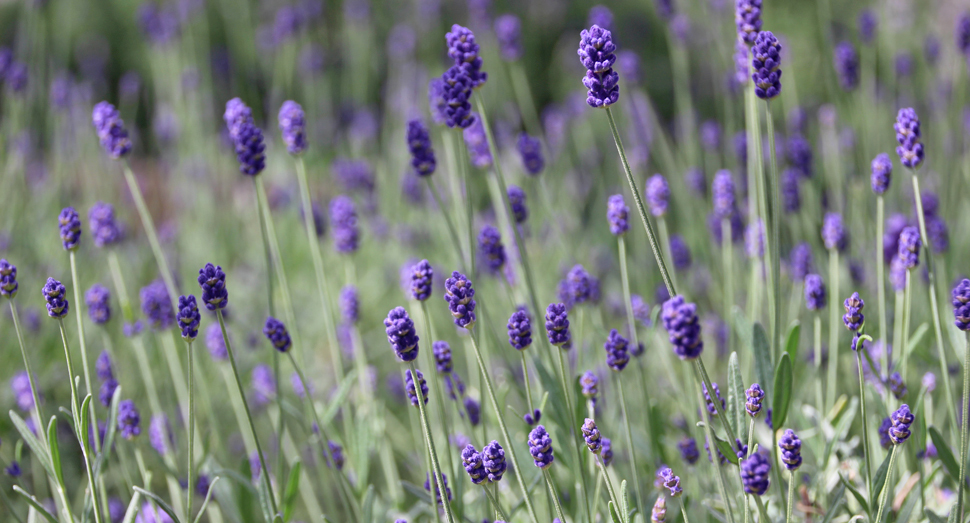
(496, 503)
(964, 430)
(429, 440)
(191, 458)
(554, 495)
(885, 487)
(249, 416)
(791, 496)
(149, 225)
(84, 346)
(880, 275)
(651, 235)
(505, 431)
(865, 422)
(452, 231)
(629, 438)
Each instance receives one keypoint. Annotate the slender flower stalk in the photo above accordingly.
(629, 438)
(772, 247)
(84, 347)
(149, 226)
(429, 440)
(961, 312)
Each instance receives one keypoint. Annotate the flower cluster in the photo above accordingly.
(292, 122)
(247, 138)
(540, 446)
(596, 52)
(212, 280)
(276, 333)
(791, 449)
(617, 354)
(594, 442)
(461, 299)
(765, 63)
(910, 149)
(557, 325)
(755, 396)
(683, 327)
(419, 143)
(70, 224)
(520, 330)
(401, 334)
(421, 277)
(188, 317)
(617, 214)
(111, 130)
(8, 279)
(104, 227)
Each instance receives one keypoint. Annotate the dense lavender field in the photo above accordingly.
(423, 261)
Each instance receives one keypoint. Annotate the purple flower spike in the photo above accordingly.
(847, 65)
(755, 396)
(791, 449)
(103, 367)
(617, 213)
(429, 479)
(419, 143)
(237, 115)
(834, 235)
(909, 246)
(617, 354)
(867, 25)
(292, 123)
(897, 386)
(907, 127)
(104, 228)
(491, 252)
(188, 317)
(455, 91)
(596, 52)
(962, 33)
(711, 407)
(8, 279)
(212, 280)
(520, 330)
(901, 419)
(249, 146)
(540, 446)
(346, 231)
(747, 18)
(54, 293)
(853, 317)
(97, 299)
(442, 356)
(557, 325)
(276, 333)
(401, 334)
(590, 383)
(607, 452)
(128, 419)
(658, 514)
(464, 51)
(800, 261)
(517, 203)
(683, 327)
(477, 142)
(107, 391)
(594, 442)
(961, 304)
(349, 304)
(882, 170)
(421, 277)
(722, 189)
(111, 130)
(70, 224)
(493, 457)
(508, 32)
(461, 299)
(791, 190)
(530, 149)
(765, 62)
(688, 450)
(473, 464)
(755, 472)
(160, 434)
(411, 389)
(658, 195)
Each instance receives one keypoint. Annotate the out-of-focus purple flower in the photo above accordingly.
(867, 25)
(747, 19)
(847, 65)
(907, 128)
(696, 182)
(477, 142)
(909, 246)
(508, 32)
(578, 285)
(460, 296)
(263, 384)
(401, 334)
(617, 354)
(21, 387)
(292, 122)
(641, 309)
(491, 252)
(929, 379)
(799, 154)
(349, 304)
(103, 367)
(411, 388)
(962, 33)
(931, 49)
(897, 274)
(882, 169)
(419, 143)
(800, 261)
(97, 299)
(557, 325)
(834, 235)
(894, 226)
(442, 356)
(814, 292)
(711, 135)
(589, 383)
(298, 385)
(722, 189)
(70, 225)
(765, 63)
(596, 53)
(617, 213)
(680, 252)
(903, 64)
(688, 450)
(8, 279)
(711, 408)
(343, 219)
(897, 386)
(938, 234)
(517, 203)
(883, 431)
(104, 227)
(742, 65)
(754, 239)
(437, 493)
(658, 195)
(628, 63)
(128, 419)
(600, 15)
(683, 327)
(755, 472)
(159, 24)
(960, 298)
(464, 51)
(353, 175)
(160, 434)
(721, 459)
(790, 190)
(60, 91)
(530, 149)
(215, 342)
(474, 410)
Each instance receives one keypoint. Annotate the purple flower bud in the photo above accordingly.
(530, 149)
(765, 63)
(557, 325)
(57, 304)
(680, 253)
(592, 436)
(882, 169)
(867, 25)
(111, 130)
(437, 492)
(540, 446)
(747, 18)
(411, 389)
(160, 434)
(884, 427)
(847, 66)
(590, 383)
(617, 213)
(606, 453)
(961, 304)
(346, 231)
(104, 228)
(188, 317)
(70, 225)
(791, 449)
(401, 334)
(755, 396)
(491, 252)
(683, 328)
(292, 122)
(128, 419)
(711, 408)
(722, 189)
(616, 347)
(215, 342)
(477, 142)
(212, 280)
(349, 304)
(421, 276)
(460, 296)
(853, 317)
(493, 457)
(755, 474)
(901, 419)
(276, 333)
(8, 279)
(688, 450)
(909, 246)
(907, 127)
(453, 91)
(419, 143)
(97, 299)
(250, 149)
(464, 51)
(508, 32)
(814, 292)
(517, 202)
(897, 386)
(801, 262)
(473, 464)
(834, 235)
(711, 135)
(520, 330)
(962, 33)
(658, 195)
(596, 52)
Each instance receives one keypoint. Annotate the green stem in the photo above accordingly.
(791, 496)
(505, 431)
(907, 317)
(883, 499)
(865, 423)
(964, 430)
(495, 503)
(629, 439)
(651, 235)
(318, 269)
(772, 246)
(712, 445)
(76, 410)
(819, 402)
(553, 494)
(665, 242)
(625, 279)
(880, 276)
(266, 249)
(609, 483)
(728, 278)
(833, 328)
(762, 511)
(84, 346)
(452, 231)
(935, 309)
(429, 440)
(436, 384)
(528, 386)
(249, 416)
(190, 438)
(149, 225)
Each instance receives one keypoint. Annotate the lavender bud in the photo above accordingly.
(834, 235)
(97, 299)
(799, 153)
(442, 356)
(765, 63)
(455, 91)
(57, 304)
(907, 127)
(747, 18)
(962, 33)
(592, 436)
(847, 66)
(464, 51)
(409, 386)
(160, 434)
(658, 514)
(419, 143)
(722, 189)
(540, 446)
(401, 334)
(213, 283)
(688, 450)
(853, 317)
(104, 228)
(617, 355)
(590, 383)
(215, 342)
(491, 252)
(658, 195)
(517, 202)
(882, 169)
(421, 277)
(111, 130)
(755, 396)
(791, 449)
(8, 279)
(520, 330)
(557, 325)
(128, 419)
(461, 299)
(530, 149)
(711, 407)
(349, 304)
(909, 246)
(901, 419)
(473, 464)
(596, 52)
(683, 328)
(493, 457)
(961, 305)
(755, 472)
(70, 225)
(897, 386)
(292, 124)
(188, 317)
(276, 333)
(346, 231)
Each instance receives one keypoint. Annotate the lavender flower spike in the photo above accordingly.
(493, 457)
(70, 224)
(188, 317)
(456, 89)
(508, 32)
(411, 388)
(292, 123)
(461, 299)
(346, 231)
(747, 19)
(833, 232)
(909, 246)
(683, 328)
(473, 464)
(128, 419)
(658, 195)
(419, 143)
(814, 292)
(557, 325)
(791, 449)
(901, 420)
(617, 354)
(592, 436)
(520, 330)
(755, 396)
(853, 317)
(617, 214)
(57, 304)
(442, 357)
(755, 471)
(8, 279)
(960, 299)
(907, 127)
(421, 277)
(530, 148)
(765, 62)
(847, 66)
(722, 189)
(491, 252)
(104, 227)
(596, 52)
(882, 170)
(517, 203)
(464, 51)
(97, 299)
(401, 334)
(276, 333)
(540, 446)
(212, 280)
(111, 130)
